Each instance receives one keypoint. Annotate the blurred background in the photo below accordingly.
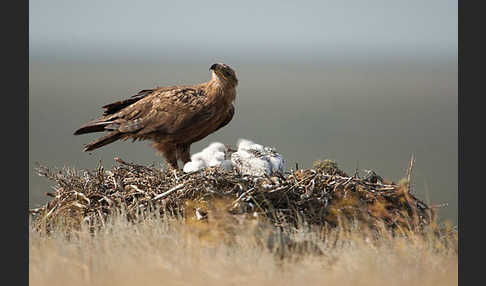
(365, 83)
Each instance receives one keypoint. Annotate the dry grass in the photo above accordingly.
(115, 228)
(165, 251)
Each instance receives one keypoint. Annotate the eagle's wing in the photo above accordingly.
(167, 112)
(163, 110)
(119, 105)
(99, 124)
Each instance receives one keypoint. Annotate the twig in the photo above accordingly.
(176, 188)
(242, 195)
(409, 172)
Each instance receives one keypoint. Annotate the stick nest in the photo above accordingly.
(321, 196)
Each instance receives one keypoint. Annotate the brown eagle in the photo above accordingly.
(172, 117)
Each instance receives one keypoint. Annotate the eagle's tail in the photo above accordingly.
(102, 141)
(92, 126)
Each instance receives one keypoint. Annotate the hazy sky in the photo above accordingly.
(150, 29)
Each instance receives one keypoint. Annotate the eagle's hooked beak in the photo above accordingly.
(213, 67)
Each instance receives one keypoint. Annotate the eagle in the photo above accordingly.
(172, 117)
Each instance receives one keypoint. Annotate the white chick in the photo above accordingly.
(276, 160)
(193, 166)
(244, 144)
(257, 160)
(216, 159)
(213, 155)
(214, 147)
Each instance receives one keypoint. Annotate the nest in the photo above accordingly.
(322, 196)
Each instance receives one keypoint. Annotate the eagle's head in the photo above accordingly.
(224, 73)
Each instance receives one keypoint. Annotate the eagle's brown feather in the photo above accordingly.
(173, 117)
